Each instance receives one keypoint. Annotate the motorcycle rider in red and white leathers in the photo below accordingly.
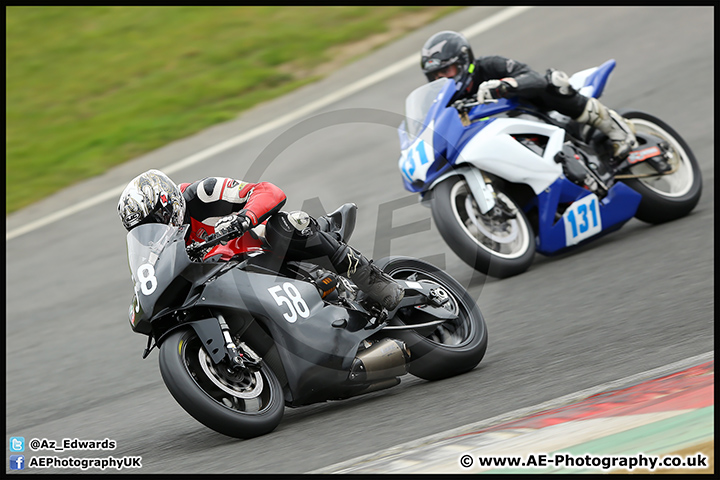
(221, 204)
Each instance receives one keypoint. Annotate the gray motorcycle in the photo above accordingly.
(240, 340)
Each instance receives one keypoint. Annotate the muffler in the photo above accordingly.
(387, 358)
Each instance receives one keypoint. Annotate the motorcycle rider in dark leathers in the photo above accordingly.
(448, 54)
(220, 205)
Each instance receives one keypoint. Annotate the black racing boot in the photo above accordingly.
(378, 285)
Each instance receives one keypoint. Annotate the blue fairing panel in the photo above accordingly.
(599, 78)
(488, 109)
(616, 208)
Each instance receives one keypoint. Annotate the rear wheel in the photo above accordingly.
(238, 402)
(664, 197)
(452, 347)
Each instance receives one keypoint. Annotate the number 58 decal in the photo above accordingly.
(294, 301)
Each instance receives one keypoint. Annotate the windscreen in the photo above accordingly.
(418, 104)
(146, 242)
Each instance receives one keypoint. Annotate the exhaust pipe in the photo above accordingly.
(381, 385)
(385, 359)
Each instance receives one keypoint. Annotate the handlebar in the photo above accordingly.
(465, 104)
(194, 249)
(468, 103)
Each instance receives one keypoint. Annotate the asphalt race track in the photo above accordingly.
(635, 300)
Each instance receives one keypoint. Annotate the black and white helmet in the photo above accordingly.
(151, 197)
(444, 49)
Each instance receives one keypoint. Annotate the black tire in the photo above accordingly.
(201, 396)
(459, 221)
(668, 197)
(453, 348)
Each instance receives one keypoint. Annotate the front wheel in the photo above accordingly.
(499, 243)
(664, 197)
(239, 403)
(454, 346)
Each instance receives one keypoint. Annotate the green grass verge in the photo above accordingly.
(88, 88)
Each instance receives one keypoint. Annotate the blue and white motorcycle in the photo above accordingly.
(504, 179)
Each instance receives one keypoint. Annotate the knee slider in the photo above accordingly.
(294, 230)
(301, 222)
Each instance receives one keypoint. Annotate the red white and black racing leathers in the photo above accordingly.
(289, 236)
(212, 198)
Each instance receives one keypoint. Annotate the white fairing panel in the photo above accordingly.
(494, 150)
(578, 80)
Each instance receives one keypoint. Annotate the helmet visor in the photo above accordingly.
(159, 214)
(450, 71)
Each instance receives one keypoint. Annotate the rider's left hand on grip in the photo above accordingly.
(194, 250)
(232, 226)
(490, 90)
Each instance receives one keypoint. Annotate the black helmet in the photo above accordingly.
(444, 49)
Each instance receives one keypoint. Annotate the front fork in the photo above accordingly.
(217, 341)
(482, 192)
(236, 358)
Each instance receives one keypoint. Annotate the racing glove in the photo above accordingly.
(491, 90)
(238, 223)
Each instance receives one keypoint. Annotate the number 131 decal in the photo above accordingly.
(294, 301)
(582, 219)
